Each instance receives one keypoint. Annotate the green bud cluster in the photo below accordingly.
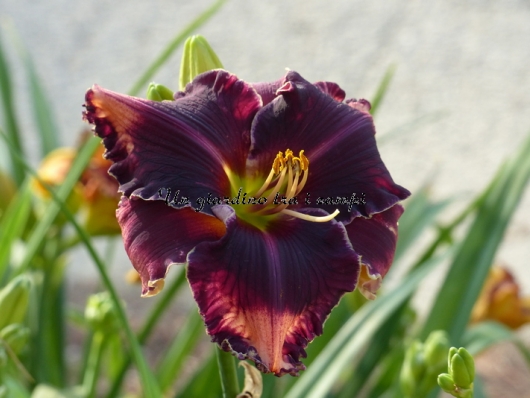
(459, 381)
(198, 57)
(423, 362)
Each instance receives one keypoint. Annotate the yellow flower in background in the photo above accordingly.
(501, 301)
(94, 195)
(52, 171)
(100, 197)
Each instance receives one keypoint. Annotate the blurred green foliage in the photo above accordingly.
(365, 347)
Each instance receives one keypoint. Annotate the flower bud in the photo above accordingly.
(158, 92)
(416, 359)
(501, 300)
(462, 368)
(459, 372)
(469, 361)
(452, 352)
(100, 312)
(459, 381)
(14, 301)
(198, 57)
(446, 383)
(15, 336)
(435, 350)
(413, 369)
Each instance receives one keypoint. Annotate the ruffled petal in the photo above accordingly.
(374, 239)
(156, 236)
(182, 145)
(332, 89)
(264, 294)
(267, 90)
(338, 139)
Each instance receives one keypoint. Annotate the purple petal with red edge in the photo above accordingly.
(156, 236)
(267, 90)
(179, 145)
(264, 294)
(332, 89)
(374, 239)
(339, 142)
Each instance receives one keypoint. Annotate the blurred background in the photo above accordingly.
(458, 104)
(457, 107)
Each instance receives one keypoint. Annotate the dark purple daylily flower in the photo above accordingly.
(265, 275)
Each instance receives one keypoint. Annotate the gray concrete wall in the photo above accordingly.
(463, 71)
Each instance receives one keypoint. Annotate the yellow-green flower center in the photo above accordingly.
(280, 190)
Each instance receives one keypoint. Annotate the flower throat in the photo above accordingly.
(285, 181)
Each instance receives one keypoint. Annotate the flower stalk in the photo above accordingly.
(228, 373)
(90, 379)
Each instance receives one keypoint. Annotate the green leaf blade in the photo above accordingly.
(472, 261)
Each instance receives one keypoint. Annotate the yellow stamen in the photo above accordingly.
(277, 187)
(301, 185)
(267, 181)
(285, 181)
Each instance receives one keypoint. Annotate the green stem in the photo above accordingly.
(183, 343)
(173, 45)
(228, 373)
(49, 341)
(150, 387)
(154, 316)
(94, 363)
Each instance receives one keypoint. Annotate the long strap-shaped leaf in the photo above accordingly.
(472, 261)
(13, 223)
(8, 109)
(149, 383)
(353, 337)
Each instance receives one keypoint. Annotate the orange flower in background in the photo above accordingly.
(501, 301)
(100, 196)
(95, 194)
(53, 170)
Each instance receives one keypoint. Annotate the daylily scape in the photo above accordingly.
(273, 194)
